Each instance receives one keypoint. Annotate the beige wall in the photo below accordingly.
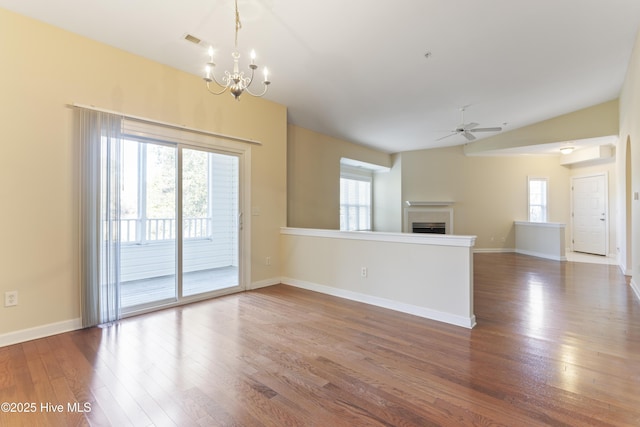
(313, 166)
(489, 192)
(630, 131)
(595, 121)
(387, 198)
(44, 69)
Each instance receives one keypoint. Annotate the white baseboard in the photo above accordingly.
(40, 332)
(636, 288)
(264, 283)
(625, 271)
(493, 250)
(541, 255)
(385, 303)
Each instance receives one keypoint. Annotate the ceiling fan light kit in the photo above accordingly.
(467, 129)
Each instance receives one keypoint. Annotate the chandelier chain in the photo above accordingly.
(238, 23)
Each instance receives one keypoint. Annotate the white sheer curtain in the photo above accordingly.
(100, 161)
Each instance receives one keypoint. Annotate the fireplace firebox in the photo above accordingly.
(429, 227)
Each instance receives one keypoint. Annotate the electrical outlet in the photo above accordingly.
(10, 298)
(363, 272)
(267, 261)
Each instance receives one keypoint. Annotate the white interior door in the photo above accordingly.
(590, 214)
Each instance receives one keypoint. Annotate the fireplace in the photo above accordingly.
(428, 217)
(429, 227)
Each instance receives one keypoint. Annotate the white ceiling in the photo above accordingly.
(356, 69)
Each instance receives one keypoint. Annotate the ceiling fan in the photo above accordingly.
(465, 129)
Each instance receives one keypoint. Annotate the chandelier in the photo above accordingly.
(235, 82)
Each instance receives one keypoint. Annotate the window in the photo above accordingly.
(355, 199)
(538, 199)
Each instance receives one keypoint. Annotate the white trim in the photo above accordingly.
(358, 164)
(426, 313)
(358, 174)
(415, 238)
(42, 331)
(494, 250)
(264, 283)
(635, 288)
(541, 224)
(166, 124)
(418, 204)
(541, 255)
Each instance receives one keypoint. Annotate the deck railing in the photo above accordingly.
(158, 229)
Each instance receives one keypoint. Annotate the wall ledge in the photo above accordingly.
(414, 238)
(541, 224)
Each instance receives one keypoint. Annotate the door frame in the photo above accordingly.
(605, 175)
(244, 221)
(186, 138)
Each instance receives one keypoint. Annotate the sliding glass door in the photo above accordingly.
(178, 222)
(210, 197)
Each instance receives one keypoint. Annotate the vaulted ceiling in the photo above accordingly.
(390, 74)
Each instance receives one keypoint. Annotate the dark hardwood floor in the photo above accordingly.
(556, 344)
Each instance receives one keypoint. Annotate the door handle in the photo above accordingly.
(601, 219)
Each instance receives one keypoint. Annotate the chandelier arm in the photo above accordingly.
(224, 88)
(224, 78)
(249, 80)
(266, 87)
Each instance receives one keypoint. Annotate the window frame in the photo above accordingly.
(357, 174)
(544, 205)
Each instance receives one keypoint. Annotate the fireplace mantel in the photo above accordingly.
(428, 212)
(418, 203)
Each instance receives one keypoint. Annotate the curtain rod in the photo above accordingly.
(166, 124)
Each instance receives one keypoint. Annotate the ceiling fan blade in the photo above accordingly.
(469, 126)
(446, 136)
(495, 129)
(468, 136)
